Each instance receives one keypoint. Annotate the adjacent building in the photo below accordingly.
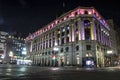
(114, 55)
(2, 45)
(80, 37)
(118, 42)
(12, 47)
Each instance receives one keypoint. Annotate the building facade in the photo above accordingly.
(2, 45)
(80, 37)
(14, 48)
(118, 43)
(113, 39)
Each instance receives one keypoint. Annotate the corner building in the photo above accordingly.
(79, 37)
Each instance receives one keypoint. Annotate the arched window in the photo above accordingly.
(87, 30)
(67, 49)
(61, 50)
(86, 12)
(86, 23)
(77, 48)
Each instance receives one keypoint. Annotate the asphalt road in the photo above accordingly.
(22, 72)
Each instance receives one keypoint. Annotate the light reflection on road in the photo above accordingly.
(22, 69)
(55, 68)
(9, 70)
(8, 74)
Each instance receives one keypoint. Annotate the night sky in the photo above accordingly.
(27, 16)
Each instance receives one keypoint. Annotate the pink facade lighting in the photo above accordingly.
(56, 21)
(72, 14)
(65, 18)
(90, 12)
(81, 11)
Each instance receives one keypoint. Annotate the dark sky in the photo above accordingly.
(27, 16)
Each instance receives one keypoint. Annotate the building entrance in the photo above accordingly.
(88, 62)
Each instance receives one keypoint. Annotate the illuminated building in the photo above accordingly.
(14, 48)
(2, 45)
(80, 37)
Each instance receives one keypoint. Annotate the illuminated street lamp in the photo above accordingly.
(55, 49)
(11, 54)
(109, 52)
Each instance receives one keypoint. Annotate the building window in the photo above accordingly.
(67, 59)
(49, 53)
(76, 13)
(77, 48)
(87, 29)
(86, 23)
(76, 23)
(53, 33)
(67, 49)
(62, 41)
(63, 33)
(50, 43)
(86, 12)
(58, 35)
(88, 47)
(46, 53)
(87, 34)
(67, 32)
(76, 38)
(42, 54)
(76, 31)
(46, 44)
(67, 39)
(58, 31)
(58, 42)
(61, 50)
(77, 58)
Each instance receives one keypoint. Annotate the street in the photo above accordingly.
(23, 72)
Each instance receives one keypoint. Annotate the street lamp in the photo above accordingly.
(109, 52)
(55, 49)
(11, 55)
